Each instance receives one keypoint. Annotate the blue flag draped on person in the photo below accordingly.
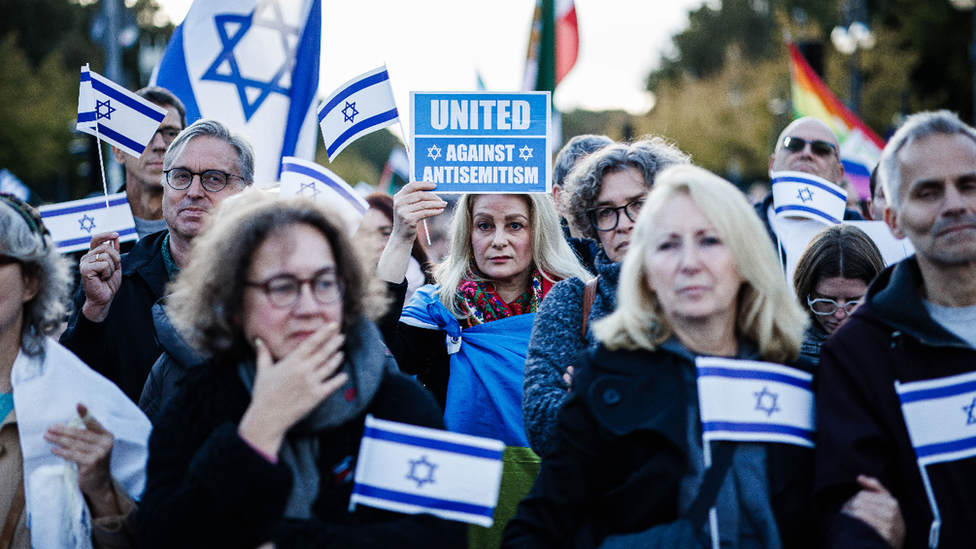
(116, 115)
(411, 469)
(253, 65)
(360, 106)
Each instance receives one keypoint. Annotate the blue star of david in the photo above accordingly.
(805, 194)
(970, 419)
(350, 117)
(766, 397)
(109, 109)
(87, 223)
(313, 189)
(426, 471)
(525, 153)
(232, 28)
(434, 152)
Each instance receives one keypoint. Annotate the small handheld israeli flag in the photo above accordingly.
(360, 106)
(748, 400)
(116, 115)
(303, 178)
(72, 224)
(799, 194)
(410, 469)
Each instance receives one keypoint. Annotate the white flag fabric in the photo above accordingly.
(116, 115)
(72, 224)
(748, 400)
(410, 469)
(941, 417)
(799, 194)
(10, 184)
(360, 106)
(253, 65)
(303, 178)
(47, 389)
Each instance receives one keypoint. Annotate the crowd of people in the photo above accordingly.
(252, 335)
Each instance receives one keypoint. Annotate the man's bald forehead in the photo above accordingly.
(808, 128)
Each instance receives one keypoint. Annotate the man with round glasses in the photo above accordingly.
(112, 325)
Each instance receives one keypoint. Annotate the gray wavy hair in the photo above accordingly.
(649, 156)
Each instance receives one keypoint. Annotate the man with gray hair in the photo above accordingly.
(111, 326)
(896, 407)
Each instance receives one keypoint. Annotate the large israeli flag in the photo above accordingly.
(253, 65)
(72, 224)
(410, 469)
(302, 178)
(360, 106)
(799, 194)
(941, 417)
(116, 115)
(748, 400)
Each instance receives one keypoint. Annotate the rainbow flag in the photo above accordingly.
(860, 147)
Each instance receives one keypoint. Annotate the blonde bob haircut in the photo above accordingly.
(550, 252)
(767, 313)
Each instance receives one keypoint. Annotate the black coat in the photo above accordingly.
(170, 369)
(208, 488)
(123, 347)
(621, 450)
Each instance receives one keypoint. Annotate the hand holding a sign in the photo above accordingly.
(875, 506)
(101, 275)
(414, 203)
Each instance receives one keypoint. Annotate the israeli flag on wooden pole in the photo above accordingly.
(116, 115)
(755, 401)
(360, 106)
(940, 415)
(253, 65)
(799, 194)
(410, 469)
(72, 224)
(302, 178)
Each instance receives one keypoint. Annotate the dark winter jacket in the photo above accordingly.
(889, 338)
(621, 451)
(556, 343)
(123, 347)
(172, 367)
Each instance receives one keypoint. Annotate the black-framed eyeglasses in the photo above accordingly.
(824, 307)
(168, 134)
(212, 180)
(818, 146)
(7, 260)
(607, 218)
(285, 290)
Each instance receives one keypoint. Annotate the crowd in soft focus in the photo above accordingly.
(255, 334)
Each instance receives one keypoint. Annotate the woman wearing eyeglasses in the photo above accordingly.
(602, 197)
(830, 280)
(259, 445)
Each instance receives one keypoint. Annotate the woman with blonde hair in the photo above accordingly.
(466, 336)
(632, 465)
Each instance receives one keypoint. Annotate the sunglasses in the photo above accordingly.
(819, 147)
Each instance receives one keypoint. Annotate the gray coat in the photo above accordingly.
(556, 344)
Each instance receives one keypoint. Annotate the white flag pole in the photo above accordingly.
(406, 146)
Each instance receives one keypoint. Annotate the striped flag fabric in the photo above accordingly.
(72, 224)
(553, 48)
(253, 65)
(941, 417)
(747, 400)
(860, 146)
(411, 469)
(358, 107)
(116, 115)
(303, 178)
(799, 194)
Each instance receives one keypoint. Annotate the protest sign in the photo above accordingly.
(481, 142)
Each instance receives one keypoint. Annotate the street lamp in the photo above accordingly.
(849, 41)
(968, 5)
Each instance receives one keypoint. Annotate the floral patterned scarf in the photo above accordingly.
(483, 302)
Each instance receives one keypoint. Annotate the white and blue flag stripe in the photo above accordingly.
(799, 194)
(941, 417)
(116, 115)
(72, 224)
(411, 469)
(358, 107)
(748, 400)
(303, 178)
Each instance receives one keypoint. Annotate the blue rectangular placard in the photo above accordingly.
(485, 142)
